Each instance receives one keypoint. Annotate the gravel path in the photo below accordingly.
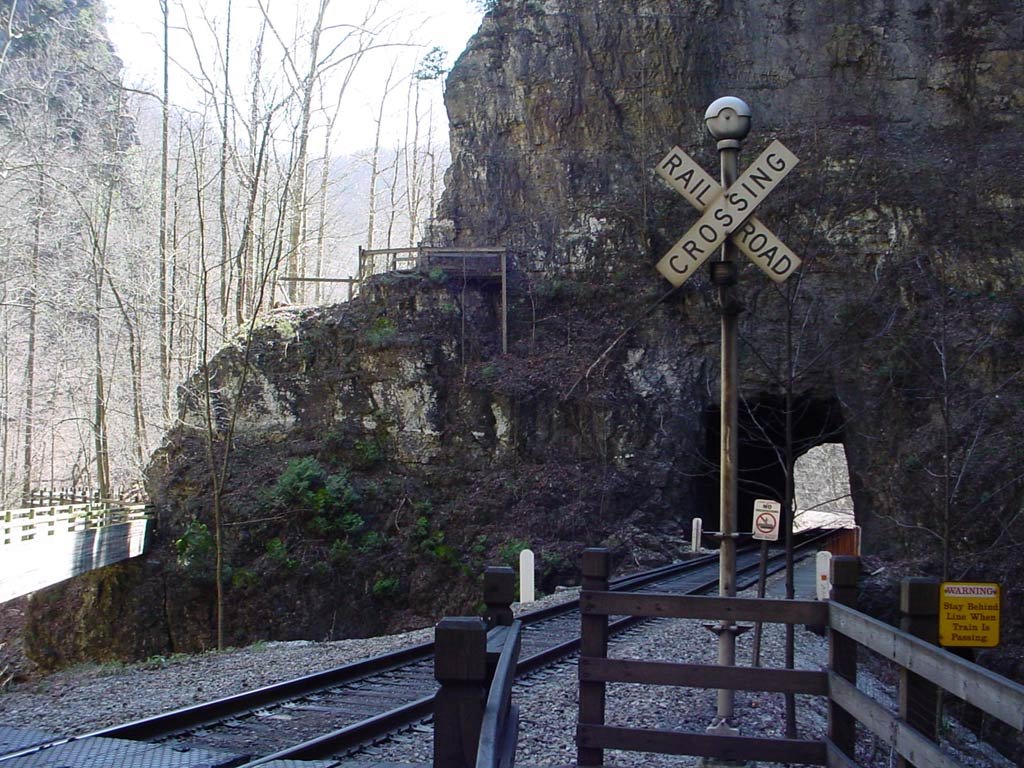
(86, 698)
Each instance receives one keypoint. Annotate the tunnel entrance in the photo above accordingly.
(762, 430)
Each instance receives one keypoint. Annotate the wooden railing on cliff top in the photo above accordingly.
(462, 263)
(470, 264)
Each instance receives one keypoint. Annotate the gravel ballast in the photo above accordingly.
(87, 698)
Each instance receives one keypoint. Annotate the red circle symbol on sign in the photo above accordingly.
(765, 523)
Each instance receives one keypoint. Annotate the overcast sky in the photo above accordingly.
(135, 29)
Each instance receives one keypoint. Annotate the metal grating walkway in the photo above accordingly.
(106, 753)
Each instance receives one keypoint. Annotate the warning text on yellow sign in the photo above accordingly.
(968, 614)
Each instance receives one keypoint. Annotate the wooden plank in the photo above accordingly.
(836, 758)
(388, 251)
(486, 249)
(693, 607)
(704, 745)
(595, 568)
(498, 711)
(348, 280)
(703, 676)
(989, 692)
(467, 250)
(909, 743)
(842, 652)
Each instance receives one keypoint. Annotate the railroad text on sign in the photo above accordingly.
(969, 614)
(726, 212)
(758, 242)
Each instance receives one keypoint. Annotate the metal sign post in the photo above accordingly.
(765, 528)
(728, 120)
(727, 220)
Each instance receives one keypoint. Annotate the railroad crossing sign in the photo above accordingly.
(727, 213)
(766, 519)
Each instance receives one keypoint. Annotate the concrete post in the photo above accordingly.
(822, 571)
(527, 577)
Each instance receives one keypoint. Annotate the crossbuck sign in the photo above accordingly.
(727, 213)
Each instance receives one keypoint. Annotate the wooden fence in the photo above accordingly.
(907, 732)
(53, 496)
(31, 524)
(478, 264)
(475, 722)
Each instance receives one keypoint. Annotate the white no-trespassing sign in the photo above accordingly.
(766, 519)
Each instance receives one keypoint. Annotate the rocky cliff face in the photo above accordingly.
(901, 337)
(583, 98)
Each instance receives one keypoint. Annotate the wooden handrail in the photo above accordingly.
(659, 604)
(924, 663)
(500, 725)
(23, 524)
(872, 715)
(989, 692)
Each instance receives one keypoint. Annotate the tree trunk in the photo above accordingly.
(165, 308)
(30, 358)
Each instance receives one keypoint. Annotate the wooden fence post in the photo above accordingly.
(918, 698)
(593, 643)
(460, 666)
(499, 593)
(843, 652)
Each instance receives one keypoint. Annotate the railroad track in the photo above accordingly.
(333, 713)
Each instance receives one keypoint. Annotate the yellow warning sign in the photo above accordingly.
(968, 614)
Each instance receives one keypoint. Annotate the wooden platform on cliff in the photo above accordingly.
(484, 264)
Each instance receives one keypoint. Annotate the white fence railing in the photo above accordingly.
(35, 523)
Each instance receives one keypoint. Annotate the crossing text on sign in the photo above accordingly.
(726, 213)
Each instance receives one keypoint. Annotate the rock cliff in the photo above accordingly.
(384, 450)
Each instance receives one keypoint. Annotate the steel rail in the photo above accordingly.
(346, 738)
(356, 734)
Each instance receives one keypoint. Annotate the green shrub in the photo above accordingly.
(381, 332)
(324, 501)
(371, 543)
(277, 551)
(385, 587)
(243, 578)
(369, 453)
(340, 550)
(509, 551)
(196, 546)
(301, 479)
